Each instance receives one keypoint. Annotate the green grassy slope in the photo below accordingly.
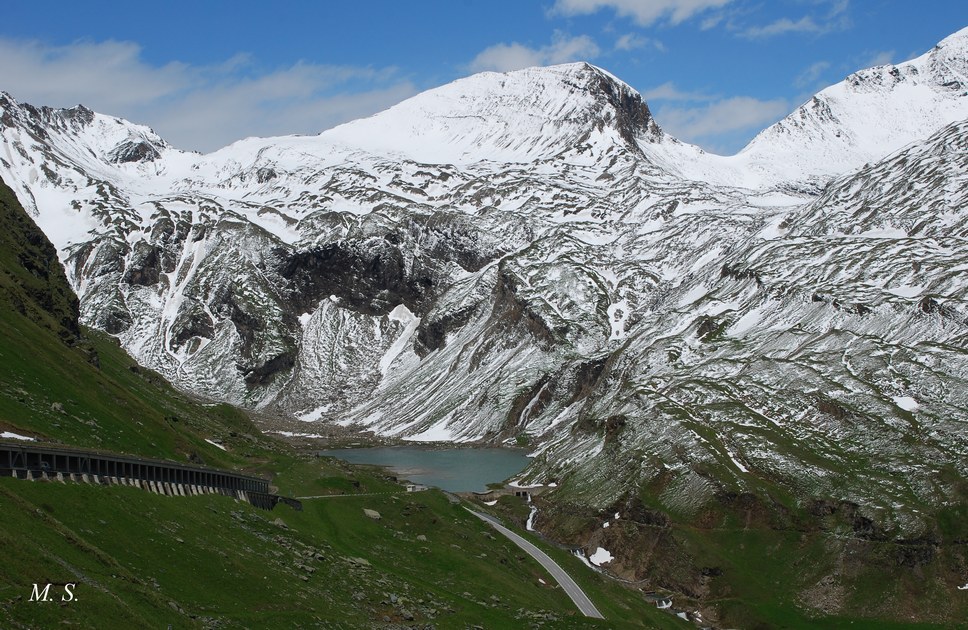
(143, 560)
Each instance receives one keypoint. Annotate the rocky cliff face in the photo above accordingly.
(32, 282)
(528, 254)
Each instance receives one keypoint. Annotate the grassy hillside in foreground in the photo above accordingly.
(143, 560)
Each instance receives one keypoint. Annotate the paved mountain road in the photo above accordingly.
(577, 595)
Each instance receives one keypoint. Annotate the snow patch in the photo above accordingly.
(906, 291)
(216, 444)
(437, 433)
(600, 557)
(410, 321)
(738, 464)
(293, 434)
(10, 435)
(314, 415)
(906, 403)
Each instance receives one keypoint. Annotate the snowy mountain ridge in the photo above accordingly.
(529, 256)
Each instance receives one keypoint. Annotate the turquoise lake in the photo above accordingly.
(454, 470)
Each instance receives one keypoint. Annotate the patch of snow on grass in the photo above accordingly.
(738, 464)
(216, 444)
(10, 435)
(600, 557)
(292, 434)
(906, 403)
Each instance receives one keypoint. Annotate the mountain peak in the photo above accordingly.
(958, 38)
(871, 113)
(519, 116)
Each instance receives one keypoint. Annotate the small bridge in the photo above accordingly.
(24, 461)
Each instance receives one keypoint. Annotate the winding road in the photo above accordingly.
(577, 595)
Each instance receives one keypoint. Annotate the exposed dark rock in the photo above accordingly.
(78, 116)
(98, 258)
(736, 273)
(632, 116)
(533, 400)
(115, 321)
(823, 507)
(246, 324)
(867, 529)
(915, 553)
(511, 310)
(831, 408)
(453, 237)
(265, 174)
(432, 333)
(191, 322)
(709, 328)
(144, 265)
(264, 373)
(133, 151)
(587, 376)
(368, 275)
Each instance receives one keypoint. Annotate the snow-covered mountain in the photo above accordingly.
(529, 255)
(871, 113)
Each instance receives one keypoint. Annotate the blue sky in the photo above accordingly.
(203, 74)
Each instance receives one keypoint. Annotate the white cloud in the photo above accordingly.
(837, 18)
(806, 24)
(721, 124)
(195, 107)
(810, 75)
(881, 58)
(669, 92)
(711, 22)
(632, 41)
(644, 12)
(514, 56)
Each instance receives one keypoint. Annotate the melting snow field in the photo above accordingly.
(600, 557)
(293, 434)
(906, 403)
(9, 435)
